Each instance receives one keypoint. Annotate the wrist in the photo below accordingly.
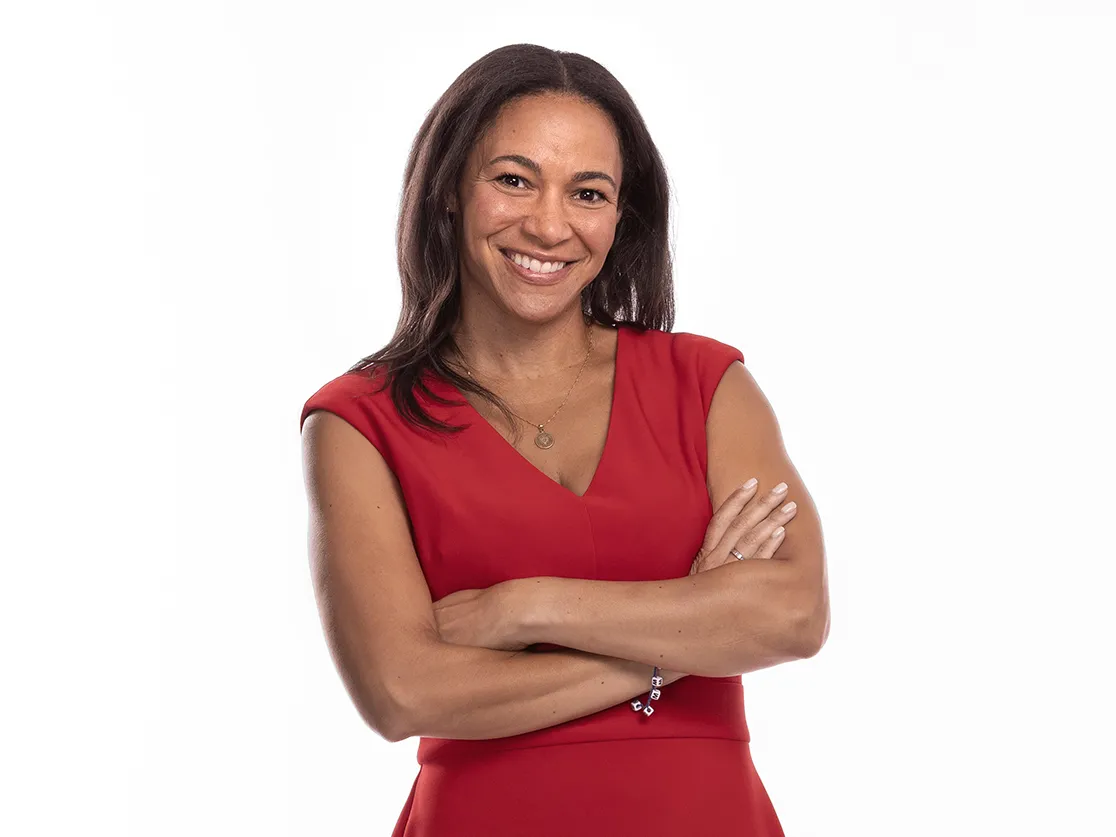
(531, 605)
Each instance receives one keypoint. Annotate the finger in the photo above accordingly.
(728, 512)
(770, 544)
(777, 519)
(756, 538)
(754, 513)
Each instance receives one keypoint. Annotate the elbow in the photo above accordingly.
(411, 699)
(811, 629)
(385, 718)
(385, 706)
(396, 733)
(408, 706)
(400, 699)
(409, 715)
(413, 713)
(395, 725)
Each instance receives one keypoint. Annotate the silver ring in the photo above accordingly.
(739, 557)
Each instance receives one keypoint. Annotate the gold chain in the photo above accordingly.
(543, 439)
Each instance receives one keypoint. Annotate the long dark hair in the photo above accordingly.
(635, 284)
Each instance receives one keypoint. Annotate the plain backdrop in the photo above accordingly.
(903, 214)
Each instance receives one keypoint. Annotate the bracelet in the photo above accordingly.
(656, 682)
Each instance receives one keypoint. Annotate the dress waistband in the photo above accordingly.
(693, 707)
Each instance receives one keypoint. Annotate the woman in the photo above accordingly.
(509, 596)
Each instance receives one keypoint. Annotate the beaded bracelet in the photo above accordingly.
(656, 682)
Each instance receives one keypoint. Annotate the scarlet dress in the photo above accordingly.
(481, 513)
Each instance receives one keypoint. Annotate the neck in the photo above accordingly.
(520, 351)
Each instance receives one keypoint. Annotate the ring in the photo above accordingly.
(739, 557)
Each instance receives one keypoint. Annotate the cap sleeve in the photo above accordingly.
(349, 396)
(709, 359)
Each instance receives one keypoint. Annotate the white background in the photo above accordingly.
(903, 214)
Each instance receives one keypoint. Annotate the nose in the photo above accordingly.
(546, 220)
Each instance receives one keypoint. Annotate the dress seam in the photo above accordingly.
(482, 753)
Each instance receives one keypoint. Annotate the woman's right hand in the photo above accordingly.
(746, 522)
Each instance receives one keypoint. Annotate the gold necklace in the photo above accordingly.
(543, 439)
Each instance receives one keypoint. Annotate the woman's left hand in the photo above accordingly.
(482, 618)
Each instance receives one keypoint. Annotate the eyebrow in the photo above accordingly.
(528, 163)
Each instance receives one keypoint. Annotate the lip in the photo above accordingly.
(539, 278)
(531, 254)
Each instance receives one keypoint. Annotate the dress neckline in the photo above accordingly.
(496, 439)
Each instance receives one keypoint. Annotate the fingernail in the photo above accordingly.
(778, 533)
(780, 488)
(789, 507)
(749, 484)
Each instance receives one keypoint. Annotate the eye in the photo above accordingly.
(508, 174)
(503, 178)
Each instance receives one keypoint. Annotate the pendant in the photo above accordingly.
(544, 440)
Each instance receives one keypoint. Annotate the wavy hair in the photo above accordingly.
(634, 285)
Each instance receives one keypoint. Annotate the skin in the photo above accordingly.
(524, 336)
(411, 664)
(500, 616)
(517, 338)
(522, 340)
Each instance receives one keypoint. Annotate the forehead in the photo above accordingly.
(558, 132)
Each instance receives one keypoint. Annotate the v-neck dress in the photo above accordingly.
(481, 513)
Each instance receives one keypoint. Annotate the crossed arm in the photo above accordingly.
(407, 680)
(738, 617)
(726, 621)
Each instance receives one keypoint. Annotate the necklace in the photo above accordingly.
(543, 439)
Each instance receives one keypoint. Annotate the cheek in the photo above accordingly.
(600, 234)
(493, 212)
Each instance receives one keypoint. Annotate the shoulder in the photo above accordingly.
(698, 361)
(743, 434)
(347, 428)
(348, 395)
(707, 355)
(685, 347)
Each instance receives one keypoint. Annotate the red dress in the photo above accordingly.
(481, 513)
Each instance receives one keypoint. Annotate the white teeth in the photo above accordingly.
(534, 265)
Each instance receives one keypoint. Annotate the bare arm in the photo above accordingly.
(470, 693)
(726, 621)
(376, 613)
(739, 617)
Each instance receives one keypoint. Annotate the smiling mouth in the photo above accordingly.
(552, 276)
(508, 252)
